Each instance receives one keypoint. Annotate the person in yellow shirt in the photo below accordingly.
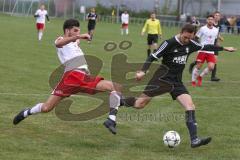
(153, 28)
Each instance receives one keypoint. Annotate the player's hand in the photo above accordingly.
(230, 49)
(142, 34)
(85, 36)
(139, 75)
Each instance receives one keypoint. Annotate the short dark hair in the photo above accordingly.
(70, 23)
(188, 28)
(216, 12)
(210, 16)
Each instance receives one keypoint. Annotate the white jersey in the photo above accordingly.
(41, 16)
(71, 56)
(207, 36)
(125, 18)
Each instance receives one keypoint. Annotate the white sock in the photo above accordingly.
(127, 31)
(40, 34)
(34, 110)
(112, 117)
(195, 74)
(114, 103)
(121, 31)
(204, 72)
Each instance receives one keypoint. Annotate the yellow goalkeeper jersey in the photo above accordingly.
(152, 27)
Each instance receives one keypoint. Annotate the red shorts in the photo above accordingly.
(202, 56)
(124, 25)
(40, 26)
(76, 81)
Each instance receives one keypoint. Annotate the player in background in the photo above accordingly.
(76, 77)
(153, 28)
(206, 35)
(217, 18)
(125, 22)
(168, 78)
(41, 15)
(92, 19)
(195, 22)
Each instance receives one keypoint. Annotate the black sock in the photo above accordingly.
(148, 52)
(214, 71)
(112, 114)
(191, 124)
(128, 101)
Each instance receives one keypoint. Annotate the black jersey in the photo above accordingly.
(175, 55)
(92, 17)
(217, 26)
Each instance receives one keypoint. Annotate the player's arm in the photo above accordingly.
(218, 48)
(159, 29)
(153, 57)
(47, 17)
(60, 42)
(220, 37)
(210, 47)
(144, 27)
(97, 19)
(36, 14)
(88, 17)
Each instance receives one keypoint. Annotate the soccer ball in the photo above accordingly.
(171, 139)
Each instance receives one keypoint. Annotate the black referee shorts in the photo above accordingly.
(152, 38)
(159, 85)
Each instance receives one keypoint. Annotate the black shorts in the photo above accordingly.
(91, 27)
(159, 85)
(152, 38)
(178, 90)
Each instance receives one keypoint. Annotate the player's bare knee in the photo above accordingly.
(210, 68)
(117, 87)
(141, 103)
(140, 106)
(199, 65)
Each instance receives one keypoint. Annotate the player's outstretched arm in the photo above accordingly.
(217, 48)
(36, 15)
(140, 74)
(59, 43)
(229, 49)
(85, 36)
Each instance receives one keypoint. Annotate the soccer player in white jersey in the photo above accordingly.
(41, 15)
(206, 35)
(125, 22)
(76, 77)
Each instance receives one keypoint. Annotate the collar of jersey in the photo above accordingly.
(178, 40)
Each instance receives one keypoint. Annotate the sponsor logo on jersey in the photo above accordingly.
(180, 59)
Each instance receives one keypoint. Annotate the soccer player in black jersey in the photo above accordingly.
(92, 18)
(217, 17)
(168, 78)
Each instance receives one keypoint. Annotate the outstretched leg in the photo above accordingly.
(186, 101)
(38, 108)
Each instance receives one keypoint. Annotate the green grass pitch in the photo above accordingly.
(25, 67)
